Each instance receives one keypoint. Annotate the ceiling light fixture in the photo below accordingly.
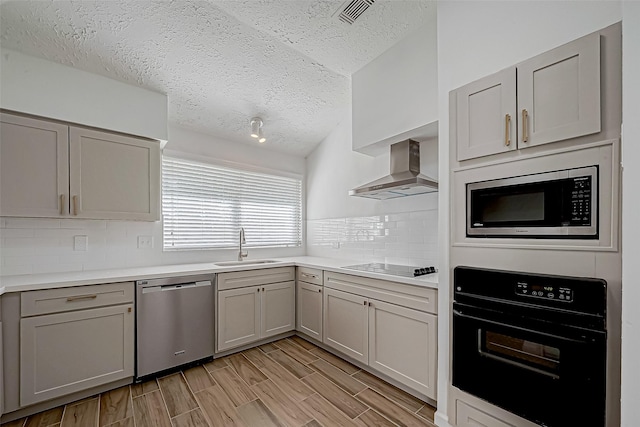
(256, 129)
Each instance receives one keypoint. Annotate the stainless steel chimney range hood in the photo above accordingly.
(405, 178)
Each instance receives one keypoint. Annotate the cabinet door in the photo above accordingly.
(402, 344)
(309, 309)
(113, 176)
(346, 324)
(238, 317)
(278, 308)
(559, 93)
(34, 167)
(69, 352)
(486, 116)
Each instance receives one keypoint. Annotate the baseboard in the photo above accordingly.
(441, 420)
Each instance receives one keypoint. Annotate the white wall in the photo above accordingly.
(402, 230)
(477, 38)
(44, 88)
(333, 169)
(630, 208)
(397, 92)
(30, 245)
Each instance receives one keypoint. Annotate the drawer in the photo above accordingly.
(309, 275)
(263, 276)
(416, 297)
(468, 416)
(34, 303)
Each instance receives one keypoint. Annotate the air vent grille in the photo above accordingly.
(353, 10)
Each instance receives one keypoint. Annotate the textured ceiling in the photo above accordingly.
(221, 62)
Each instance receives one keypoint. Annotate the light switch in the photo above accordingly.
(80, 243)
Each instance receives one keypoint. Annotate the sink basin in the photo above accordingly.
(247, 262)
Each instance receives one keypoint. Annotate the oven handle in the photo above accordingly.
(493, 322)
(514, 363)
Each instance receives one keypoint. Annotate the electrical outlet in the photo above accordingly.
(145, 242)
(80, 243)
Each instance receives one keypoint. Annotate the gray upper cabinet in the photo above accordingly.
(34, 167)
(559, 93)
(52, 170)
(486, 113)
(552, 97)
(113, 176)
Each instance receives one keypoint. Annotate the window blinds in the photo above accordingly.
(204, 206)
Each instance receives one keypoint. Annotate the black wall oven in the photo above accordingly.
(532, 344)
(558, 204)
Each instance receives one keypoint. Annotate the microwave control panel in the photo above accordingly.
(581, 201)
(546, 292)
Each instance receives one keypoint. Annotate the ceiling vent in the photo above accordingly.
(351, 10)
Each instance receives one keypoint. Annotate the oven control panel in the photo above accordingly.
(547, 292)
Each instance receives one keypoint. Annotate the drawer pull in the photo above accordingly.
(81, 297)
(313, 276)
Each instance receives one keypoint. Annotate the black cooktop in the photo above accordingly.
(393, 269)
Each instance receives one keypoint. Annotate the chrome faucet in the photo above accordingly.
(241, 254)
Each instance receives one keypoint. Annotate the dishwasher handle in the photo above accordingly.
(178, 286)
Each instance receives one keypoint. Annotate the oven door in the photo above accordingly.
(549, 374)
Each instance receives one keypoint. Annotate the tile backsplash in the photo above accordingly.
(31, 246)
(409, 238)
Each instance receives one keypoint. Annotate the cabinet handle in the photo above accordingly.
(129, 309)
(507, 126)
(365, 303)
(258, 289)
(75, 205)
(525, 131)
(262, 289)
(62, 204)
(319, 290)
(81, 297)
(313, 276)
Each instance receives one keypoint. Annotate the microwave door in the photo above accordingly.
(550, 205)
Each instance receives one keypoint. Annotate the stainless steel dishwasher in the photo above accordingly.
(174, 322)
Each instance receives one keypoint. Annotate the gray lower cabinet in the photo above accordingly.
(389, 326)
(309, 302)
(346, 323)
(402, 345)
(277, 309)
(238, 317)
(254, 305)
(65, 350)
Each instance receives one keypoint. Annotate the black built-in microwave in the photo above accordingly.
(559, 204)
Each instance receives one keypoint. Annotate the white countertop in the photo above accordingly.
(30, 282)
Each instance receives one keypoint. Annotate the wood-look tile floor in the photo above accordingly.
(290, 382)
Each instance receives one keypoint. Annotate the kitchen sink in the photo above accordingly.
(247, 262)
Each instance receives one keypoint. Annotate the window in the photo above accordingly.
(204, 206)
